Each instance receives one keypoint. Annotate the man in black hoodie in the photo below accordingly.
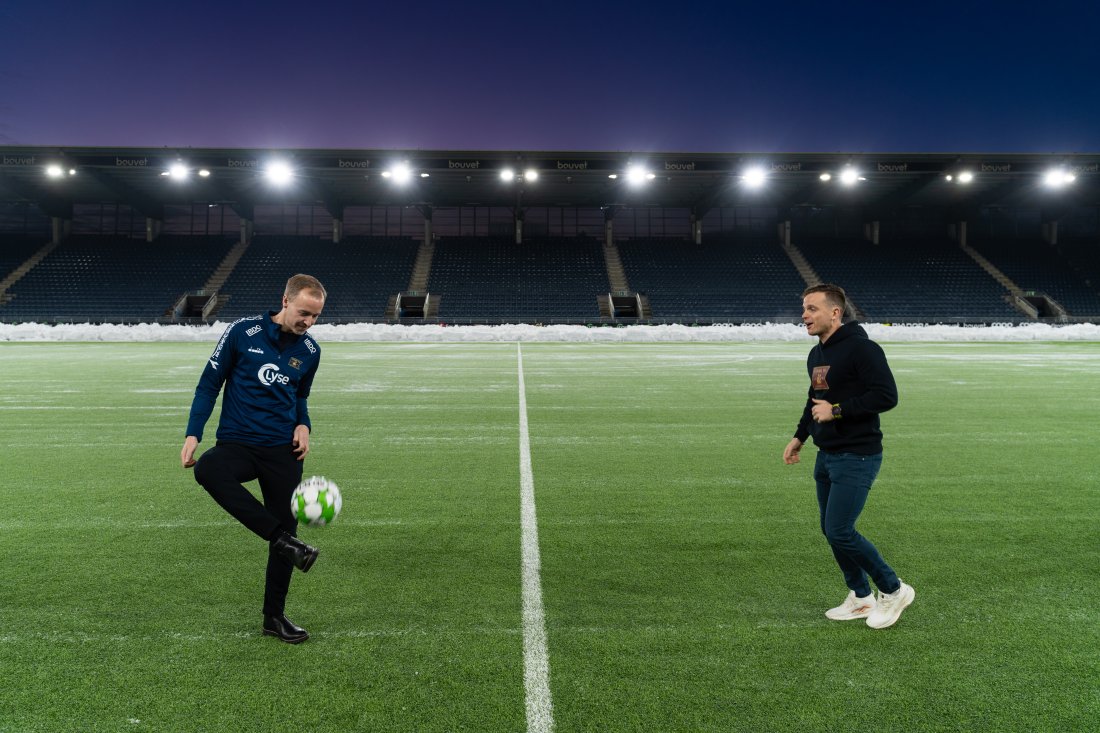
(850, 384)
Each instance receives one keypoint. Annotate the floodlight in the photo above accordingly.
(425, 175)
(949, 178)
(637, 175)
(966, 177)
(1056, 178)
(178, 170)
(54, 171)
(826, 176)
(530, 175)
(507, 174)
(204, 173)
(399, 173)
(613, 176)
(849, 176)
(279, 172)
(755, 177)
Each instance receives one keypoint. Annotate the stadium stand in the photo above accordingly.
(541, 279)
(359, 273)
(14, 251)
(914, 280)
(112, 279)
(723, 278)
(1035, 265)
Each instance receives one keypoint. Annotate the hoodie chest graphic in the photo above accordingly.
(819, 379)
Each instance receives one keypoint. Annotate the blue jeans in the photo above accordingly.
(843, 483)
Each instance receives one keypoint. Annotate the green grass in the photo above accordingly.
(683, 573)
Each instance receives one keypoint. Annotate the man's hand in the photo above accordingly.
(822, 411)
(187, 455)
(301, 441)
(790, 453)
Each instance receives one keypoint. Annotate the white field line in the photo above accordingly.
(536, 661)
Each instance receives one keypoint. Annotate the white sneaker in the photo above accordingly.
(853, 607)
(890, 606)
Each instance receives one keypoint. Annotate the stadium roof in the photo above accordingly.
(337, 179)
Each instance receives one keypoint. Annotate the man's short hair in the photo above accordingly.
(834, 295)
(299, 282)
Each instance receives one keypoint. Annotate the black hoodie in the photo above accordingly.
(849, 370)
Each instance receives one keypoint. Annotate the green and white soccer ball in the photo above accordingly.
(316, 501)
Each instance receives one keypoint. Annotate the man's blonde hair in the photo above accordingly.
(299, 282)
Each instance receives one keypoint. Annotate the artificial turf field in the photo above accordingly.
(683, 574)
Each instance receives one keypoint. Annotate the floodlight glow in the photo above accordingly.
(72, 171)
(755, 177)
(530, 175)
(204, 173)
(178, 170)
(966, 177)
(849, 176)
(400, 173)
(613, 176)
(507, 174)
(1057, 178)
(279, 173)
(424, 175)
(949, 178)
(637, 175)
(826, 176)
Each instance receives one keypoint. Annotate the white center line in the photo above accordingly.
(536, 661)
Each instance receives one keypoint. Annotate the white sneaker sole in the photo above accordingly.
(906, 599)
(850, 616)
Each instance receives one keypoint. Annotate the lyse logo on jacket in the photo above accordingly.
(818, 380)
(269, 375)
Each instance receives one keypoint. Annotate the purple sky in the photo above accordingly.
(708, 76)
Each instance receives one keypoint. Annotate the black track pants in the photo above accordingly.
(224, 469)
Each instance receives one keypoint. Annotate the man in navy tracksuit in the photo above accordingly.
(267, 364)
(850, 384)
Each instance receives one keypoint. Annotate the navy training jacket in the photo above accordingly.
(265, 389)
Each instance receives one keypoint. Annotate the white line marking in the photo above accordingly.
(536, 661)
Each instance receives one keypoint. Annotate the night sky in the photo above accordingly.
(578, 76)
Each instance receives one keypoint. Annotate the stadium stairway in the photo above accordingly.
(925, 279)
(111, 278)
(1043, 275)
(616, 275)
(810, 276)
(15, 275)
(422, 267)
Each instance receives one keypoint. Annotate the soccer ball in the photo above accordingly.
(316, 501)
